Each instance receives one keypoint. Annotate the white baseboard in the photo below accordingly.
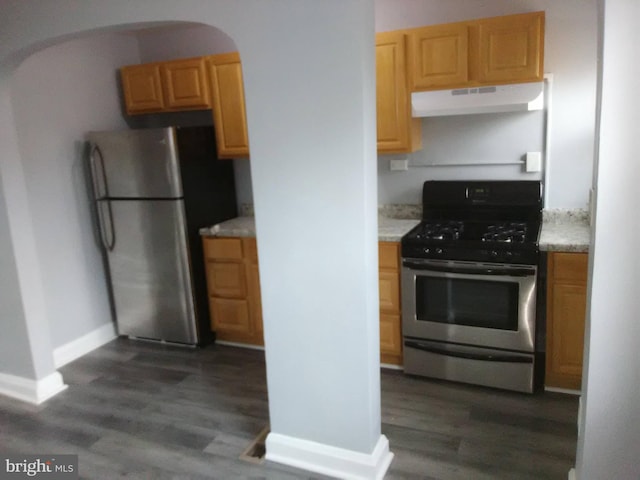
(32, 391)
(391, 366)
(572, 474)
(241, 345)
(329, 460)
(563, 390)
(81, 346)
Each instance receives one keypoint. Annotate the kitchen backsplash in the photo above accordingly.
(400, 211)
(405, 211)
(246, 210)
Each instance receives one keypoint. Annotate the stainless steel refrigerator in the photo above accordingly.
(153, 190)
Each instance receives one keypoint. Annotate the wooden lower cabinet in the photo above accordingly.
(235, 307)
(390, 319)
(566, 311)
(234, 289)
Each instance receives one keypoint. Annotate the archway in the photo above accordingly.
(319, 105)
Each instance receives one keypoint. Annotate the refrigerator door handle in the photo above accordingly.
(108, 240)
(100, 190)
(101, 196)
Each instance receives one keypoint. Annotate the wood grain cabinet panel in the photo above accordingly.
(235, 305)
(226, 279)
(438, 56)
(488, 51)
(397, 131)
(390, 335)
(390, 309)
(234, 289)
(389, 291)
(185, 84)
(566, 312)
(165, 86)
(230, 316)
(142, 88)
(223, 248)
(511, 49)
(228, 105)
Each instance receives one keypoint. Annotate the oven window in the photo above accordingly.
(476, 303)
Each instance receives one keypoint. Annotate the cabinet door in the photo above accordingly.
(229, 315)
(390, 320)
(397, 131)
(226, 279)
(438, 56)
(142, 88)
(566, 311)
(227, 99)
(511, 49)
(390, 334)
(255, 304)
(389, 291)
(185, 84)
(565, 338)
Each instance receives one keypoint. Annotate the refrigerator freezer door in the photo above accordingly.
(149, 267)
(135, 164)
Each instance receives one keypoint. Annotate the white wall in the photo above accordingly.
(59, 94)
(182, 41)
(465, 147)
(321, 321)
(609, 442)
(570, 55)
(24, 318)
(15, 348)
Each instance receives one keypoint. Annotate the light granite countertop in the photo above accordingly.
(389, 229)
(565, 231)
(562, 230)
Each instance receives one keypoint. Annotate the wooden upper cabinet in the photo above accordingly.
(228, 105)
(511, 49)
(142, 88)
(165, 86)
(438, 56)
(185, 84)
(489, 51)
(397, 131)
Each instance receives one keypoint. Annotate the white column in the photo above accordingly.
(26, 355)
(609, 440)
(311, 110)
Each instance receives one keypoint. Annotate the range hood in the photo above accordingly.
(465, 101)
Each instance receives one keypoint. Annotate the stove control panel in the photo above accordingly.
(527, 256)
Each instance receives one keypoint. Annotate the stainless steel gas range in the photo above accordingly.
(469, 275)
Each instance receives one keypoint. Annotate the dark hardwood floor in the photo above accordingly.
(147, 411)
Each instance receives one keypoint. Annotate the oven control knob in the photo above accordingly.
(438, 251)
(426, 250)
(493, 253)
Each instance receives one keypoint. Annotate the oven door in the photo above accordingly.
(470, 303)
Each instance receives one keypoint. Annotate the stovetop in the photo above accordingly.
(478, 221)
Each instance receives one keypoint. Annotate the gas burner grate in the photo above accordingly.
(448, 230)
(508, 232)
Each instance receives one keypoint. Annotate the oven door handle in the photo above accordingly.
(508, 272)
(489, 357)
